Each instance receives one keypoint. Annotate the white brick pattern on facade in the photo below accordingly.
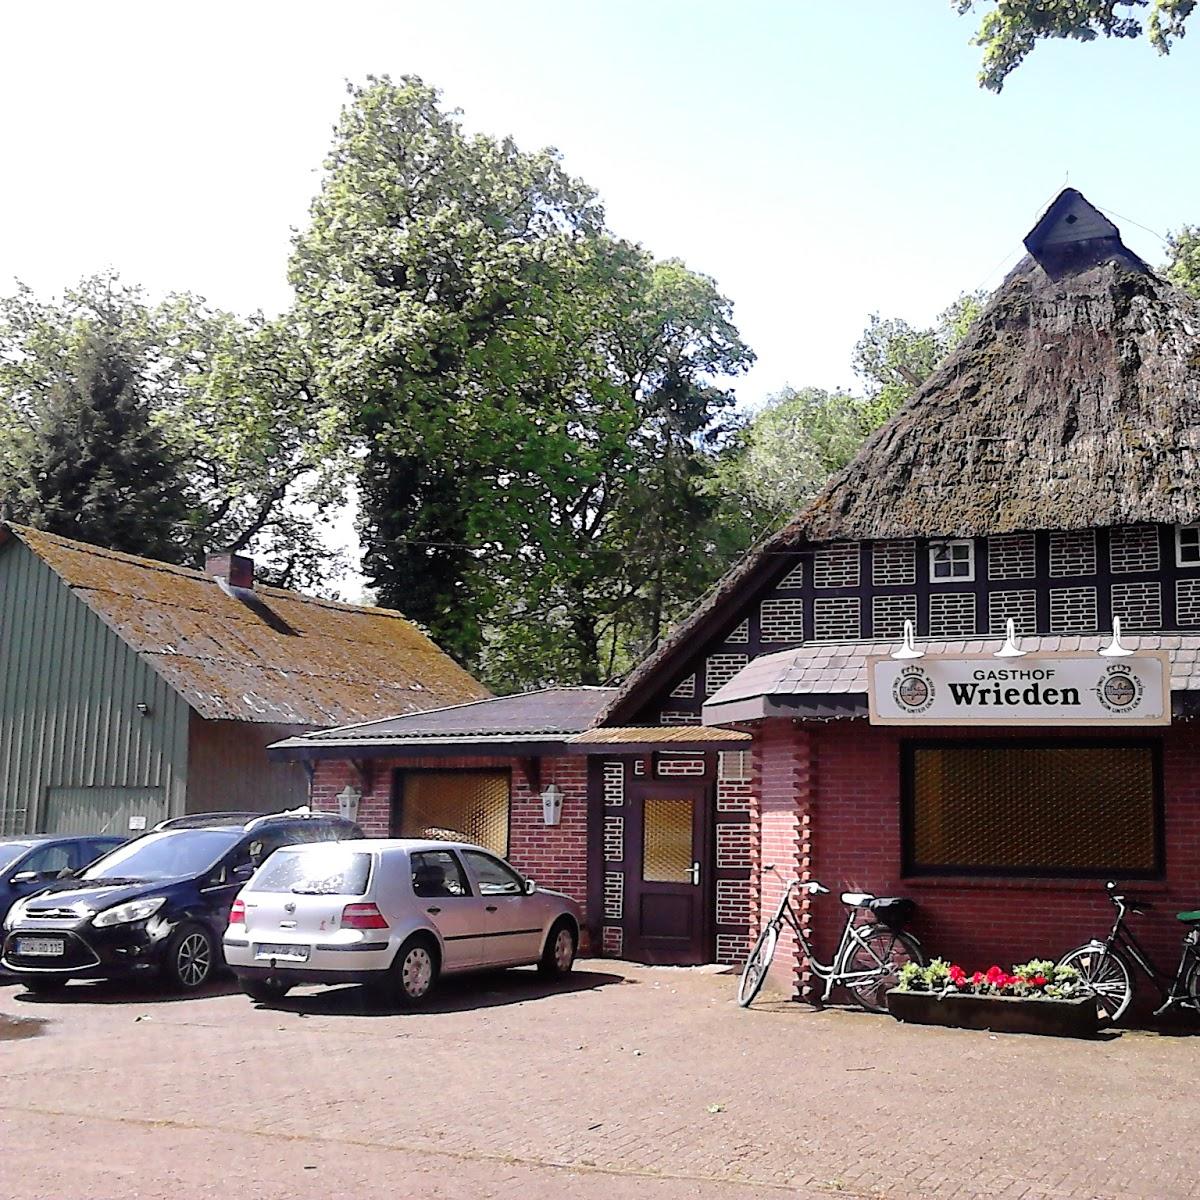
(734, 904)
(781, 620)
(612, 941)
(836, 566)
(837, 619)
(671, 716)
(685, 689)
(951, 614)
(732, 948)
(888, 614)
(1072, 552)
(614, 839)
(1139, 605)
(794, 578)
(614, 895)
(733, 847)
(671, 765)
(1133, 548)
(720, 669)
(733, 797)
(1187, 602)
(1073, 610)
(733, 766)
(1011, 556)
(893, 564)
(614, 784)
(740, 635)
(1018, 607)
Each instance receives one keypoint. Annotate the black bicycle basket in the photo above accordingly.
(893, 911)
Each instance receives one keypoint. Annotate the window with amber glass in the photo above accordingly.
(1026, 808)
(459, 806)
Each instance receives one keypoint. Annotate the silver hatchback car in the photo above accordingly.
(395, 914)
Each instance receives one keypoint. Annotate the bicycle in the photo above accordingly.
(1104, 966)
(868, 958)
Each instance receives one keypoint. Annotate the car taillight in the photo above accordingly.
(237, 914)
(363, 916)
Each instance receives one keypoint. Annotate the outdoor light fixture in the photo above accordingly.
(143, 708)
(1010, 649)
(907, 649)
(552, 799)
(1114, 649)
(348, 799)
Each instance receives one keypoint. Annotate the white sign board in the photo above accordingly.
(1051, 689)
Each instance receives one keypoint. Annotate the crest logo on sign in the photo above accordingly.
(913, 690)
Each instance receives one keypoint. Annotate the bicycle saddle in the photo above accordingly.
(856, 899)
(1189, 918)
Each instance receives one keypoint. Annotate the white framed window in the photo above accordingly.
(952, 559)
(1187, 545)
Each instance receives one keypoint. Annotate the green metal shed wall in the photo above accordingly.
(69, 691)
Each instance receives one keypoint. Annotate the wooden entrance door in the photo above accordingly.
(667, 881)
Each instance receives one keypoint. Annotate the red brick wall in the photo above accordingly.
(554, 855)
(974, 921)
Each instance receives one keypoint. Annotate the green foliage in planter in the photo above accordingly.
(1038, 979)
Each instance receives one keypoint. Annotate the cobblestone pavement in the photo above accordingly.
(630, 1081)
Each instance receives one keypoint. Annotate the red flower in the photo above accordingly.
(1038, 981)
(995, 976)
(958, 976)
(977, 978)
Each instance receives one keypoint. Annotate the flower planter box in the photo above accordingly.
(1000, 1014)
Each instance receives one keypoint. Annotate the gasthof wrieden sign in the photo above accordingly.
(914, 687)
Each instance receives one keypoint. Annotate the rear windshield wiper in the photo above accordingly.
(307, 891)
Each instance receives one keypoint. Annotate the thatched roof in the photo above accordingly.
(1072, 402)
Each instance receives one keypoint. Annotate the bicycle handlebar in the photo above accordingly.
(811, 886)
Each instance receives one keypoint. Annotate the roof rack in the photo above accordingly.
(204, 820)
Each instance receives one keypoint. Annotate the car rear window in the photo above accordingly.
(323, 871)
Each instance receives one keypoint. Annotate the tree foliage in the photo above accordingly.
(230, 398)
(520, 383)
(1183, 263)
(1009, 31)
(91, 464)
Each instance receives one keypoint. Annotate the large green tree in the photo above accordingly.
(520, 381)
(232, 399)
(1011, 29)
(1183, 262)
(93, 466)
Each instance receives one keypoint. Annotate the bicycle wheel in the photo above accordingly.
(757, 965)
(1106, 974)
(885, 952)
(1193, 985)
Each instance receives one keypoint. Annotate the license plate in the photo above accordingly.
(281, 952)
(36, 947)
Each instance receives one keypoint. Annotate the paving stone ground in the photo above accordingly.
(630, 1081)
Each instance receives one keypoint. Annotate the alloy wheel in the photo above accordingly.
(193, 960)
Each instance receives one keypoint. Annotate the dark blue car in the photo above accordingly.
(30, 862)
(155, 907)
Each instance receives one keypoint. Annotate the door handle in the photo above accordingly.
(491, 908)
(695, 874)
(434, 909)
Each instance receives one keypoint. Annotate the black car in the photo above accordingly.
(155, 906)
(28, 863)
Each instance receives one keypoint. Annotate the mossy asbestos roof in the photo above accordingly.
(275, 657)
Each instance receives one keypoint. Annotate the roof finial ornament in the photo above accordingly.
(1010, 649)
(1114, 649)
(907, 648)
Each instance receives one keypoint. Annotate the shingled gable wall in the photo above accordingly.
(554, 855)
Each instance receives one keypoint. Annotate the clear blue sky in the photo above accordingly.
(822, 161)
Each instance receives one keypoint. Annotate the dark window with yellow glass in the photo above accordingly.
(457, 806)
(1082, 809)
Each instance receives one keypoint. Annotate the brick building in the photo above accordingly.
(916, 658)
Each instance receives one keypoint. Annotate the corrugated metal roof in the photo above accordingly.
(279, 658)
(666, 735)
(841, 670)
(548, 712)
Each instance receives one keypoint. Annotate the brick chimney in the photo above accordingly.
(236, 569)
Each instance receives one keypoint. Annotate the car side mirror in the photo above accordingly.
(530, 887)
(26, 877)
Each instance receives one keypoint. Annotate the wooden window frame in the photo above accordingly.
(949, 544)
(1190, 564)
(911, 869)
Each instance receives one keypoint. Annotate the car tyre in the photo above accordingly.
(558, 956)
(44, 987)
(190, 958)
(414, 971)
(265, 991)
